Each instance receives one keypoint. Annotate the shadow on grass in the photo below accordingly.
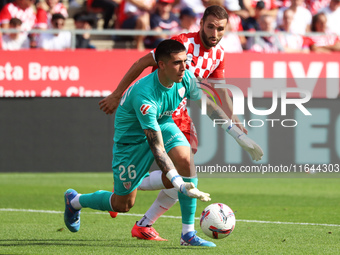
(68, 242)
(186, 247)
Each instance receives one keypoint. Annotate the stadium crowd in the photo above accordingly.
(287, 23)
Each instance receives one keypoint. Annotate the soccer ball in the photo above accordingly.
(217, 221)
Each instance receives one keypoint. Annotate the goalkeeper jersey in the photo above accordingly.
(148, 103)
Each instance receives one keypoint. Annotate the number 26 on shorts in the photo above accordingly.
(131, 172)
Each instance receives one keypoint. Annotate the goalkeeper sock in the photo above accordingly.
(186, 228)
(75, 202)
(152, 182)
(164, 201)
(99, 200)
(188, 208)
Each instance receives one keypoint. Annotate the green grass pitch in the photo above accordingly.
(269, 217)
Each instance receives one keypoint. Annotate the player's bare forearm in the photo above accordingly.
(110, 103)
(214, 111)
(227, 104)
(155, 141)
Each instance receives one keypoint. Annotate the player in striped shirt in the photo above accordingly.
(205, 59)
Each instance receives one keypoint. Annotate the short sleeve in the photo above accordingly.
(146, 112)
(190, 82)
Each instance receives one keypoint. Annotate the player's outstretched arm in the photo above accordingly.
(155, 141)
(216, 113)
(227, 105)
(110, 103)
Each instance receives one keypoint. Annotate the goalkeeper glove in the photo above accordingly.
(186, 188)
(244, 141)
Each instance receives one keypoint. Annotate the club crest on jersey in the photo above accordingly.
(144, 108)
(127, 185)
(181, 92)
(189, 59)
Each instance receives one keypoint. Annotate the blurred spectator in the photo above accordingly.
(291, 42)
(270, 6)
(59, 41)
(235, 21)
(302, 17)
(163, 19)
(314, 6)
(188, 20)
(21, 9)
(135, 14)
(233, 6)
(107, 7)
(268, 44)
(45, 10)
(83, 20)
(205, 3)
(195, 5)
(333, 16)
(283, 3)
(252, 23)
(33, 40)
(322, 43)
(15, 41)
(231, 42)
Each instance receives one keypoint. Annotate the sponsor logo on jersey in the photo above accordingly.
(144, 109)
(166, 113)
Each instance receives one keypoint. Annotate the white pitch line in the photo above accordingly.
(173, 217)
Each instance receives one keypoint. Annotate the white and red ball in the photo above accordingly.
(217, 221)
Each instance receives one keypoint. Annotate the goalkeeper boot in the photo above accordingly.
(146, 233)
(71, 215)
(191, 239)
(113, 214)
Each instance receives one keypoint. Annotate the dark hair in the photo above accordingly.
(85, 16)
(315, 19)
(15, 22)
(260, 5)
(57, 16)
(166, 48)
(216, 11)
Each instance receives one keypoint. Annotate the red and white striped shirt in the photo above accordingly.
(202, 62)
(315, 5)
(323, 40)
(27, 16)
